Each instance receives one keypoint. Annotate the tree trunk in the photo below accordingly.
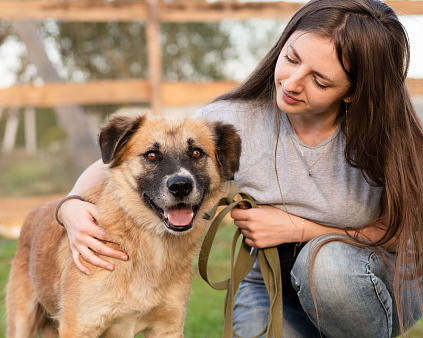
(70, 117)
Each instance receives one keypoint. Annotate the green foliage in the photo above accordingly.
(94, 51)
(99, 50)
(194, 51)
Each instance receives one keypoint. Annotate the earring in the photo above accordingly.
(346, 116)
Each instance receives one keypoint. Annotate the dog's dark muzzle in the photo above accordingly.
(180, 186)
(180, 215)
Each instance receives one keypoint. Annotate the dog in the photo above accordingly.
(162, 175)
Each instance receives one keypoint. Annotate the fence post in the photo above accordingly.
(11, 130)
(30, 131)
(154, 55)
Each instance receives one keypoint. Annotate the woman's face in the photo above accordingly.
(309, 77)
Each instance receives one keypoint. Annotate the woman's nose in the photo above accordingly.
(294, 83)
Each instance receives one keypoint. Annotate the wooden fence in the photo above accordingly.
(153, 12)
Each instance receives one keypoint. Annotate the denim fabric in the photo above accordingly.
(353, 290)
(251, 311)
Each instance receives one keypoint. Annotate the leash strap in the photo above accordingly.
(241, 265)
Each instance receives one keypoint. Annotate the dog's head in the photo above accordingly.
(169, 168)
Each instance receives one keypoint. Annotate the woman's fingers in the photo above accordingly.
(79, 265)
(102, 249)
(85, 237)
(88, 245)
(93, 259)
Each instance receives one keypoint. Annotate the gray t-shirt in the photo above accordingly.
(336, 195)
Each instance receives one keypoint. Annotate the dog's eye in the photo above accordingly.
(197, 153)
(151, 156)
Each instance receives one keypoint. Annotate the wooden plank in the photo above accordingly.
(415, 86)
(406, 7)
(98, 92)
(199, 11)
(110, 92)
(185, 93)
(126, 91)
(177, 11)
(81, 10)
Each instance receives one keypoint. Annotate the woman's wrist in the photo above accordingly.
(60, 204)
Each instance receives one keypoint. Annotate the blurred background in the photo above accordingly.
(65, 66)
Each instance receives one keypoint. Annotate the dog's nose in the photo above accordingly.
(179, 186)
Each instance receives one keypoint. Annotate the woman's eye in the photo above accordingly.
(196, 153)
(152, 156)
(320, 85)
(287, 58)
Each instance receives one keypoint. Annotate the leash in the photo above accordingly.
(269, 265)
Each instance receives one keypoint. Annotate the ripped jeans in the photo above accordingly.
(354, 294)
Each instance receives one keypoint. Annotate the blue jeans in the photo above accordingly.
(353, 290)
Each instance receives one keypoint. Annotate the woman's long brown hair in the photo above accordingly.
(385, 137)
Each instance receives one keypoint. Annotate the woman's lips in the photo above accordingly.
(289, 99)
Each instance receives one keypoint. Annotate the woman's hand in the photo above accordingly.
(267, 226)
(84, 235)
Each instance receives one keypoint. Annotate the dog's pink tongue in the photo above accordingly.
(179, 216)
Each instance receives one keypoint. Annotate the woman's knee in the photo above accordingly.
(337, 287)
(329, 262)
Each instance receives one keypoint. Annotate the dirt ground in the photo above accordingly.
(14, 210)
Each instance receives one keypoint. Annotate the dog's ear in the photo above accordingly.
(115, 134)
(228, 148)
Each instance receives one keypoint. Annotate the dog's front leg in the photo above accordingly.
(74, 332)
(74, 329)
(166, 322)
(123, 329)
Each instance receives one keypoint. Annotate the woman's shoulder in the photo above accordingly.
(223, 110)
(241, 113)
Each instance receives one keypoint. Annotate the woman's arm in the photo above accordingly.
(268, 226)
(84, 235)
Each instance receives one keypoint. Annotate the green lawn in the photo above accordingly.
(205, 309)
(7, 251)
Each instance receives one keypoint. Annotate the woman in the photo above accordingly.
(332, 152)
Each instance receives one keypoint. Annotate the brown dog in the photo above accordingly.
(162, 176)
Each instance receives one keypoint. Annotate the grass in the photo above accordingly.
(205, 308)
(7, 251)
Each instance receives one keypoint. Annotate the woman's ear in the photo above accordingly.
(348, 99)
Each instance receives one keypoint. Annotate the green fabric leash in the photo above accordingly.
(269, 264)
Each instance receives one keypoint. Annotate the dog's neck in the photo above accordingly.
(137, 241)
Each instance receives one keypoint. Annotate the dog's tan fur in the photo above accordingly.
(47, 293)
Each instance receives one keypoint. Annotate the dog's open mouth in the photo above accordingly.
(178, 217)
